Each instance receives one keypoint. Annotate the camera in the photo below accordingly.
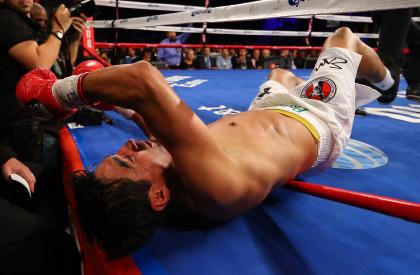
(87, 7)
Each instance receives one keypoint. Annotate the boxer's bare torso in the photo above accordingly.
(267, 149)
(256, 151)
(224, 168)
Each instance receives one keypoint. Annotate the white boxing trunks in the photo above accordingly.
(327, 101)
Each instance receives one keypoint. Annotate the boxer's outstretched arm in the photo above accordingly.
(200, 161)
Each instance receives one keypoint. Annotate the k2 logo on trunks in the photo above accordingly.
(295, 2)
(321, 88)
(332, 62)
(264, 93)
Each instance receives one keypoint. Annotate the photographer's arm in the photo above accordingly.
(31, 55)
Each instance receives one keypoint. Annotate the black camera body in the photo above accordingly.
(87, 7)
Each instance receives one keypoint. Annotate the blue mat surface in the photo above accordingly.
(290, 233)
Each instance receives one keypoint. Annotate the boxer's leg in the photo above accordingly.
(371, 67)
(286, 78)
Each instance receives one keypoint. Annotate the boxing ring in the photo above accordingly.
(291, 232)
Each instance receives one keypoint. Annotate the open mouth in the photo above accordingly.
(140, 145)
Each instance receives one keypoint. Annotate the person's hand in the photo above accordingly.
(14, 166)
(79, 24)
(62, 19)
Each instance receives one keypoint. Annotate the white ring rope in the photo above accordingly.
(145, 6)
(242, 32)
(170, 7)
(262, 10)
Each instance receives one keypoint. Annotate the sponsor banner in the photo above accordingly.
(344, 18)
(267, 9)
(144, 5)
(88, 38)
(361, 35)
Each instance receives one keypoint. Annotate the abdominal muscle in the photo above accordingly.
(269, 147)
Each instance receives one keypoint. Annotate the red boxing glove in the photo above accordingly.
(45, 96)
(87, 66)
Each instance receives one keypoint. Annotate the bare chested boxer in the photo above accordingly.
(218, 170)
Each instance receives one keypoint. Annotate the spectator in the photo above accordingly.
(242, 61)
(286, 61)
(39, 15)
(224, 61)
(265, 54)
(311, 59)
(205, 60)
(131, 56)
(105, 56)
(233, 53)
(189, 59)
(147, 55)
(28, 244)
(300, 59)
(294, 54)
(256, 59)
(172, 55)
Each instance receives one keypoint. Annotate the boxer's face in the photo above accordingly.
(23, 6)
(136, 160)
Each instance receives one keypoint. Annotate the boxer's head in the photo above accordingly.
(122, 203)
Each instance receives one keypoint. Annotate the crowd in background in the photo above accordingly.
(216, 58)
(47, 37)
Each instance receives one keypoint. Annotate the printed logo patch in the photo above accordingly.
(264, 93)
(331, 62)
(360, 155)
(295, 2)
(202, 11)
(321, 88)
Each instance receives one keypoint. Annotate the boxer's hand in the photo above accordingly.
(45, 96)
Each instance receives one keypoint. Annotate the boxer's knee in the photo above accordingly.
(343, 38)
(343, 33)
(285, 77)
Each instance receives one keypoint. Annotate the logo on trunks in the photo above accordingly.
(295, 2)
(264, 93)
(198, 12)
(321, 88)
(333, 63)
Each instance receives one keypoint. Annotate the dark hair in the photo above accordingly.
(117, 215)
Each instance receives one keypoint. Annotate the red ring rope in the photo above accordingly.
(215, 46)
(394, 207)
